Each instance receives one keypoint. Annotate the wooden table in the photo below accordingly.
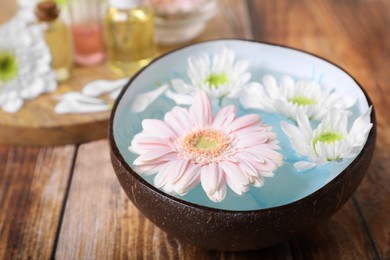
(66, 202)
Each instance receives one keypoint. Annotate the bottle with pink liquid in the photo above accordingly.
(87, 32)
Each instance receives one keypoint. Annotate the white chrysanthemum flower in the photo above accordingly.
(291, 97)
(330, 141)
(220, 76)
(25, 70)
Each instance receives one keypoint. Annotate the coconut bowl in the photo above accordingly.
(279, 216)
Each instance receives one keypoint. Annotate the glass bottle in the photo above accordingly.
(85, 18)
(129, 35)
(57, 38)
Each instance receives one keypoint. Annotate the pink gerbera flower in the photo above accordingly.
(190, 146)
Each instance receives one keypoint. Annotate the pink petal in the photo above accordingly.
(248, 168)
(178, 119)
(235, 178)
(200, 111)
(267, 174)
(251, 140)
(149, 169)
(267, 166)
(253, 157)
(219, 195)
(266, 153)
(212, 178)
(163, 176)
(188, 180)
(257, 181)
(180, 168)
(245, 121)
(150, 126)
(256, 129)
(145, 142)
(224, 117)
(168, 173)
(151, 155)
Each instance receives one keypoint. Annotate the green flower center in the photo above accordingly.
(328, 137)
(215, 80)
(302, 101)
(8, 66)
(206, 144)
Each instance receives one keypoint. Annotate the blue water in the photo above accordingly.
(286, 186)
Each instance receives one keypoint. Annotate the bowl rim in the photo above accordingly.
(118, 155)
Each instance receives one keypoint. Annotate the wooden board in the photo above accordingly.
(37, 124)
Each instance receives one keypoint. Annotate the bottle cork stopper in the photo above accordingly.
(47, 11)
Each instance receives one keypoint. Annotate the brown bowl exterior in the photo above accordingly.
(226, 230)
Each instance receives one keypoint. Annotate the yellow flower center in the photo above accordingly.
(205, 145)
(215, 80)
(8, 66)
(302, 101)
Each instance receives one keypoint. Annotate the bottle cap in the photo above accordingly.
(124, 4)
(47, 11)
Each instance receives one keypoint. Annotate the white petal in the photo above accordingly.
(12, 105)
(142, 101)
(98, 87)
(270, 85)
(251, 96)
(114, 94)
(180, 99)
(304, 125)
(360, 122)
(71, 106)
(241, 66)
(303, 165)
(80, 98)
(181, 87)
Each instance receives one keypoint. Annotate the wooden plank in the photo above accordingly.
(101, 223)
(33, 182)
(355, 35)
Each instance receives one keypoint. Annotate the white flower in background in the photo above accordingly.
(330, 141)
(220, 76)
(26, 11)
(290, 98)
(25, 70)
